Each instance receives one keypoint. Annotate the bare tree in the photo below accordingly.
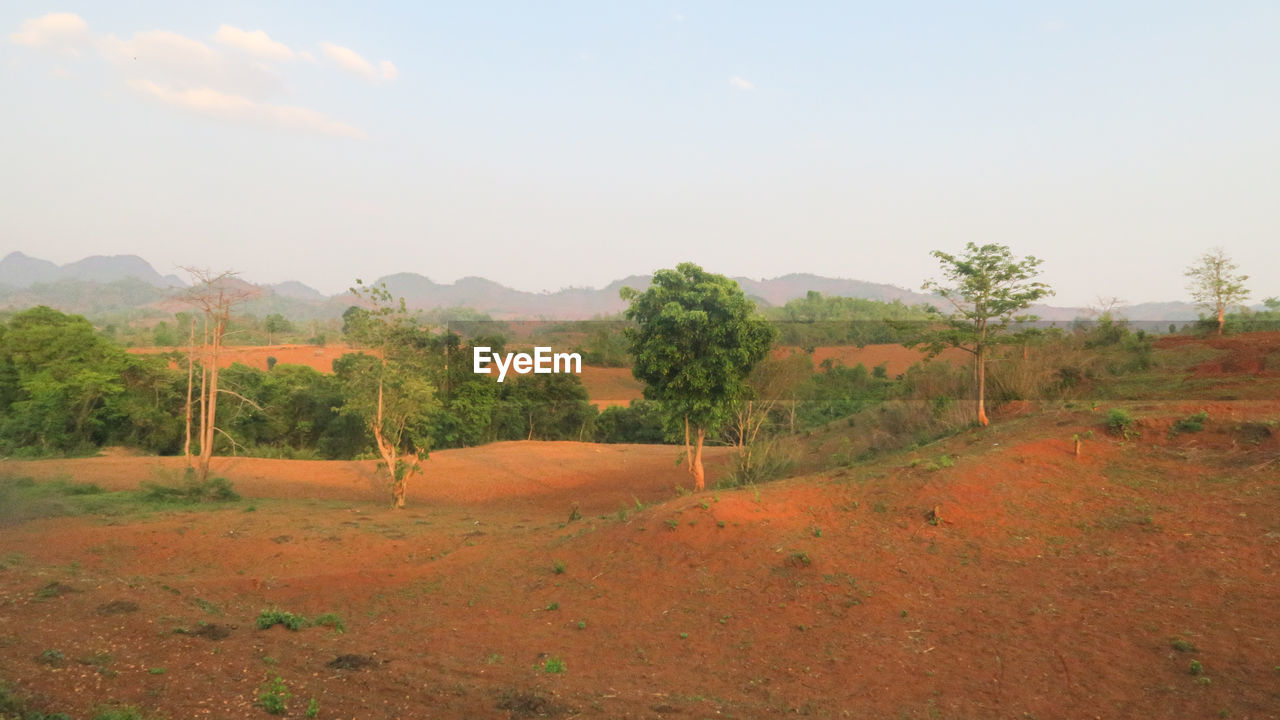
(1214, 284)
(213, 295)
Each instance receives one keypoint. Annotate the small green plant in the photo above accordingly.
(817, 531)
(1196, 668)
(582, 624)
(273, 696)
(1120, 424)
(271, 617)
(1181, 645)
(554, 606)
(157, 671)
(684, 636)
(554, 665)
(330, 620)
(672, 524)
(799, 559)
(559, 567)
(313, 708)
(51, 657)
(1192, 424)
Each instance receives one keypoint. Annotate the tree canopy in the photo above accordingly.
(696, 339)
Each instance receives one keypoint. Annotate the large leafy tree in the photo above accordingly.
(390, 389)
(64, 388)
(695, 340)
(1215, 285)
(986, 285)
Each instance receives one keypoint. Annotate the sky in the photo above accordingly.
(556, 144)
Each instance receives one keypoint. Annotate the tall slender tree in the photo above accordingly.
(390, 390)
(985, 286)
(213, 295)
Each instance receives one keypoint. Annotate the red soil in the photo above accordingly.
(319, 357)
(1255, 354)
(1051, 586)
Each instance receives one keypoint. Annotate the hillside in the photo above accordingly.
(990, 574)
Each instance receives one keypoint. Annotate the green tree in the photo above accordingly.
(1214, 284)
(696, 339)
(985, 286)
(390, 389)
(275, 324)
(56, 378)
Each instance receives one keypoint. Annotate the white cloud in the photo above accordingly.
(254, 42)
(305, 55)
(62, 32)
(185, 73)
(354, 63)
(207, 101)
(178, 61)
(741, 83)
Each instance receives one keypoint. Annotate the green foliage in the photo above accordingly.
(696, 339)
(985, 286)
(554, 665)
(1192, 424)
(274, 696)
(640, 422)
(66, 390)
(549, 407)
(273, 616)
(330, 620)
(214, 489)
(817, 320)
(1120, 424)
(313, 708)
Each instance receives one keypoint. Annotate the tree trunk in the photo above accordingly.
(191, 370)
(1222, 317)
(982, 389)
(688, 452)
(211, 405)
(699, 476)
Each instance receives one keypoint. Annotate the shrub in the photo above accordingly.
(273, 696)
(1192, 424)
(1120, 424)
(271, 617)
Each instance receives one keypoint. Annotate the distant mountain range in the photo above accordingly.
(128, 284)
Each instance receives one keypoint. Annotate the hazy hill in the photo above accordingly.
(128, 283)
(22, 271)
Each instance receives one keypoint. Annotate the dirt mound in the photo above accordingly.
(1041, 581)
(551, 475)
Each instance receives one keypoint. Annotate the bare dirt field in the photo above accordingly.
(1139, 580)
(319, 357)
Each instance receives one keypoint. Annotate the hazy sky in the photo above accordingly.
(551, 144)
